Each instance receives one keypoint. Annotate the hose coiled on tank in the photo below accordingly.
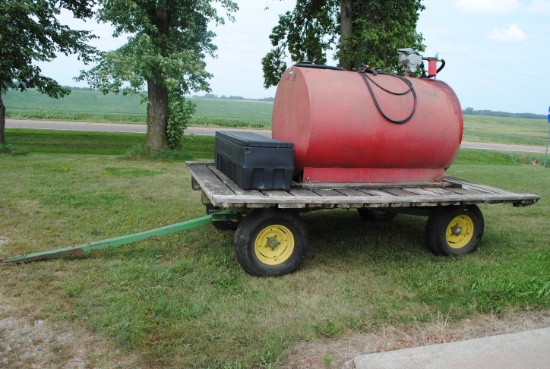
(368, 80)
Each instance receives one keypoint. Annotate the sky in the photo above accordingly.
(496, 51)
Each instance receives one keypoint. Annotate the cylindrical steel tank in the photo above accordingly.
(340, 135)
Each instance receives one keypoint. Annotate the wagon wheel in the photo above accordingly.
(222, 225)
(454, 230)
(376, 215)
(271, 242)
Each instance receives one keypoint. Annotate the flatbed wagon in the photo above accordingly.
(384, 140)
(271, 238)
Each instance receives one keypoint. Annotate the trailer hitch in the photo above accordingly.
(122, 240)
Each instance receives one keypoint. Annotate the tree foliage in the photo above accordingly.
(31, 32)
(169, 40)
(361, 32)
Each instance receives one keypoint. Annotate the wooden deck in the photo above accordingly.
(224, 193)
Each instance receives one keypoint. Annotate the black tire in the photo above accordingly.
(287, 233)
(376, 215)
(224, 225)
(454, 230)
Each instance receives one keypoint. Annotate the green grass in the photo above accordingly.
(505, 130)
(97, 143)
(183, 301)
(498, 158)
(79, 101)
(233, 113)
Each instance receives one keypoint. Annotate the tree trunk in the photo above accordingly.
(157, 93)
(2, 120)
(157, 116)
(346, 27)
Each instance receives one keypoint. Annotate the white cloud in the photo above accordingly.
(488, 6)
(541, 7)
(511, 34)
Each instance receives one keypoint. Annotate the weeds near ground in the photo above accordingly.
(328, 360)
(140, 152)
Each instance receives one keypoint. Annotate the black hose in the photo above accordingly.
(367, 80)
(442, 65)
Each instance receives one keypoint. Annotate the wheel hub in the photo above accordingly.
(456, 229)
(274, 244)
(460, 231)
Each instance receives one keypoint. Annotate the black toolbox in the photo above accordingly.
(253, 161)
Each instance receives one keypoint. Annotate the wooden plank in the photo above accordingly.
(372, 201)
(464, 191)
(292, 206)
(273, 193)
(424, 204)
(223, 192)
(230, 184)
(353, 197)
(279, 193)
(208, 181)
(421, 191)
(442, 192)
(213, 186)
(327, 192)
(367, 185)
(399, 192)
(477, 186)
(481, 190)
(352, 192)
(384, 198)
(379, 193)
(299, 192)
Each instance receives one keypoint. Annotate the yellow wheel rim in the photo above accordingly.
(460, 231)
(274, 245)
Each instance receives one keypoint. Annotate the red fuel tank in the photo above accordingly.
(341, 125)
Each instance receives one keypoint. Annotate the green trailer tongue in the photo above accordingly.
(225, 215)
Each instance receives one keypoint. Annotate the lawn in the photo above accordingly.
(182, 300)
(96, 143)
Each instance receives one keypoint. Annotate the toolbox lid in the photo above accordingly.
(250, 139)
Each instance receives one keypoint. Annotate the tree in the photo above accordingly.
(30, 32)
(165, 53)
(362, 32)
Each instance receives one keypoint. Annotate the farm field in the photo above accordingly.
(182, 300)
(86, 105)
(505, 130)
(93, 106)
